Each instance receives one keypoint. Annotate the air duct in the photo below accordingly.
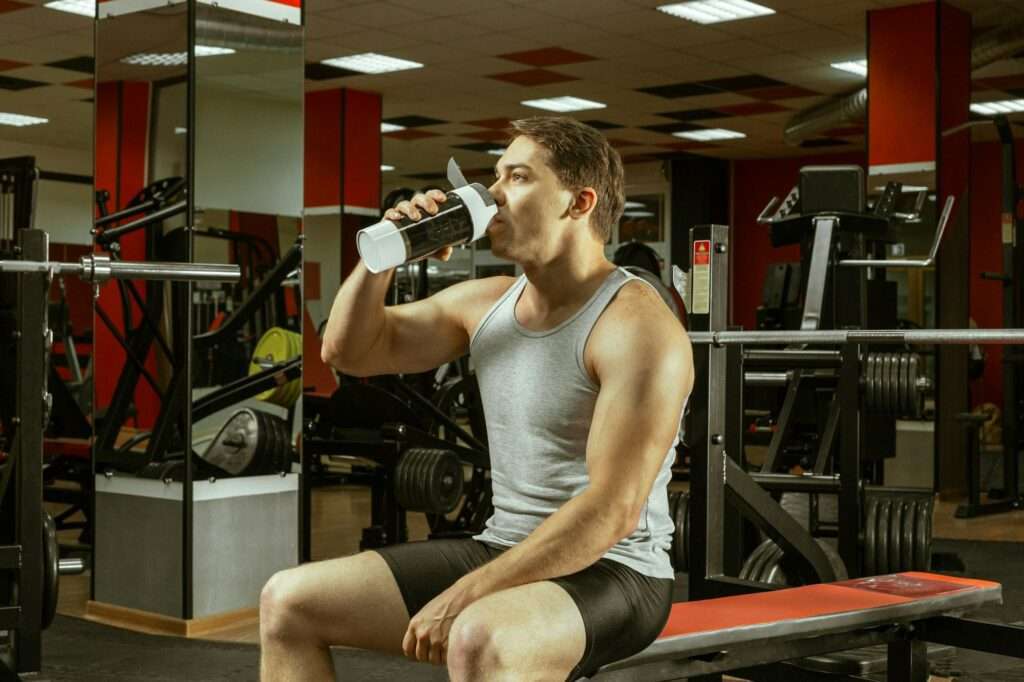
(989, 46)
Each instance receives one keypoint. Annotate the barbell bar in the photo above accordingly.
(97, 268)
(920, 337)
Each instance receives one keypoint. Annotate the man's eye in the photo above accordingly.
(518, 176)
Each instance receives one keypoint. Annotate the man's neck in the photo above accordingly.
(567, 281)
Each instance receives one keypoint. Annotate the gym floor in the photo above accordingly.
(996, 549)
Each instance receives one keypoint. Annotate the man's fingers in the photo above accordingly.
(409, 644)
(437, 653)
(437, 195)
(422, 649)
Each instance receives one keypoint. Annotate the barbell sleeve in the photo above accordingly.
(919, 337)
(97, 268)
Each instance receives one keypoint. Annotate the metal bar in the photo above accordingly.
(765, 379)
(782, 425)
(139, 364)
(246, 387)
(168, 353)
(787, 357)
(828, 436)
(33, 413)
(808, 557)
(804, 483)
(848, 467)
(448, 422)
(993, 638)
(940, 337)
(908, 661)
(818, 272)
(106, 237)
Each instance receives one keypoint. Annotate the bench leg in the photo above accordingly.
(908, 661)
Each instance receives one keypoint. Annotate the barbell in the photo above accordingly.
(97, 269)
(918, 337)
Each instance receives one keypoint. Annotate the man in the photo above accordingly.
(584, 374)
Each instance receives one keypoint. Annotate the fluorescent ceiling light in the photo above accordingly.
(710, 134)
(385, 168)
(497, 152)
(639, 214)
(86, 8)
(634, 204)
(859, 67)
(715, 11)
(390, 127)
(563, 104)
(173, 58)
(20, 121)
(905, 188)
(180, 131)
(371, 62)
(1006, 106)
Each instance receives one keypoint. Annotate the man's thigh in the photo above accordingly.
(352, 601)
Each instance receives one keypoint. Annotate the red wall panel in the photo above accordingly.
(322, 185)
(362, 149)
(901, 85)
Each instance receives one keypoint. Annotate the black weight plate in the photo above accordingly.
(882, 536)
(894, 361)
(752, 566)
(915, 405)
(899, 508)
(868, 553)
(51, 570)
(872, 382)
(905, 384)
(452, 487)
(867, 366)
(907, 536)
(771, 571)
(771, 556)
(883, 384)
(923, 536)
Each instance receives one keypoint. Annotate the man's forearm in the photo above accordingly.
(357, 315)
(574, 537)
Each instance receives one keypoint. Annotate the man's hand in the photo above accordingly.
(414, 209)
(426, 639)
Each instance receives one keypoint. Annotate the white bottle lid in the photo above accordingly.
(381, 246)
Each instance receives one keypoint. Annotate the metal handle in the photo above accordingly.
(947, 210)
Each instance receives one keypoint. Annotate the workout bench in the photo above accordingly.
(740, 633)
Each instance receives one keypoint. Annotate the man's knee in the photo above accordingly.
(473, 644)
(280, 607)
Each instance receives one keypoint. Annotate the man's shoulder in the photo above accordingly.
(637, 321)
(470, 300)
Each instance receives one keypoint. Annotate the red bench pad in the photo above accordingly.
(813, 601)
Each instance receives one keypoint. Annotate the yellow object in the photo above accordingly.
(278, 345)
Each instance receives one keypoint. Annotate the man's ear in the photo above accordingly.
(583, 202)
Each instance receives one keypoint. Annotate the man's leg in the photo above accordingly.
(353, 601)
(531, 632)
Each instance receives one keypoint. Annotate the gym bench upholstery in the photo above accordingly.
(732, 633)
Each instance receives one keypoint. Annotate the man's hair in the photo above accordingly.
(581, 157)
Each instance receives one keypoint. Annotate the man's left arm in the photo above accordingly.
(642, 360)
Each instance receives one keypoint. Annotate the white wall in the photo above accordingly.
(248, 152)
(63, 209)
(323, 245)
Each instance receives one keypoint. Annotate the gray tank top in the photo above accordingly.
(539, 403)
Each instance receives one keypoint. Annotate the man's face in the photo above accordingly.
(532, 204)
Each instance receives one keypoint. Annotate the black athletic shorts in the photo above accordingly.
(623, 611)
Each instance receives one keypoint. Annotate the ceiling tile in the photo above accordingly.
(81, 64)
(11, 83)
(780, 92)
(8, 64)
(602, 125)
(693, 114)
(493, 123)
(323, 72)
(478, 146)
(488, 135)
(413, 121)
(823, 142)
(752, 109)
(12, 6)
(376, 14)
(547, 56)
(86, 84)
(533, 77)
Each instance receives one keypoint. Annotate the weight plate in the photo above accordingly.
(883, 401)
(752, 566)
(907, 387)
(869, 385)
(771, 571)
(882, 537)
(915, 395)
(923, 536)
(51, 570)
(869, 536)
(897, 408)
(876, 362)
(899, 508)
(278, 345)
(907, 536)
(891, 380)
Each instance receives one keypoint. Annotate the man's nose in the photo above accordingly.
(495, 190)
